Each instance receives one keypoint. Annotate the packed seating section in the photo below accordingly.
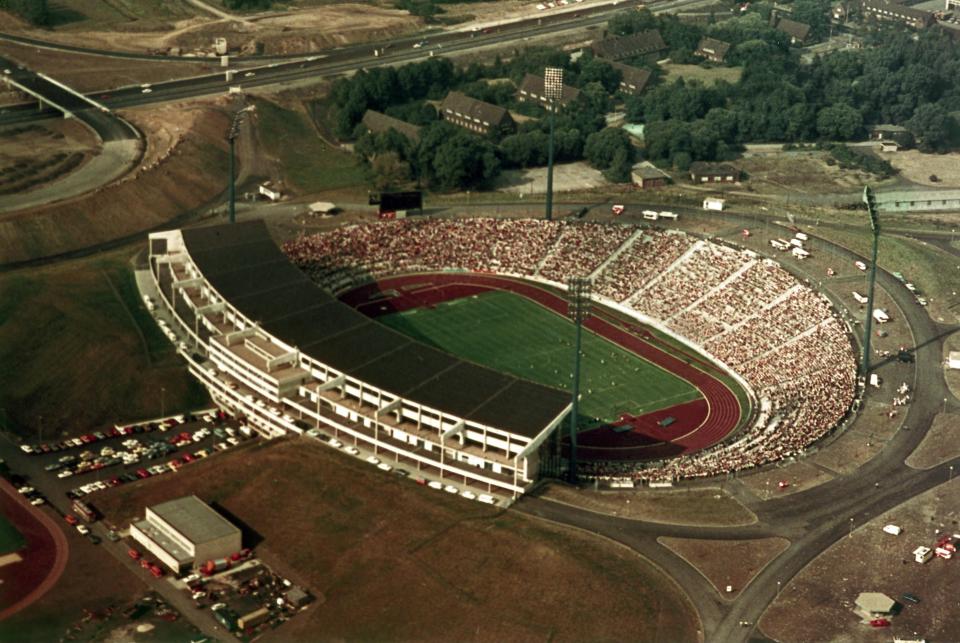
(782, 338)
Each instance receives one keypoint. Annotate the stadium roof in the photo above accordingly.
(267, 288)
(194, 519)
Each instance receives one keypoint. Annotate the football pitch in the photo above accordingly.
(514, 335)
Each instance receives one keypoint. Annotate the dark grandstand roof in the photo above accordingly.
(246, 267)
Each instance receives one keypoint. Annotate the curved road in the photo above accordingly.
(811, 520)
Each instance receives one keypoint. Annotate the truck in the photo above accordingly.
(711, 203)
(880, 316)
(860, 298)
(666, 214)
(799, 253)
(653, 215)
(779, 244)
(216, 565)
(85, 511)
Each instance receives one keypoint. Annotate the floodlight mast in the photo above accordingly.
(875, 228)
(553, 92)
(231, 137)
(578, 295)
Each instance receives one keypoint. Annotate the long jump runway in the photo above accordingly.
(696, 425)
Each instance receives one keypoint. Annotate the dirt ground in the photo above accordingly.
(707, 507)
(816, 604)
(917, 167)
(727, 562)
(31, 155)
(489, 574)
(304, 30)
(939, 444)
(799, 172)
(190, 177)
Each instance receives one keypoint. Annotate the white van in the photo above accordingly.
(802, 236)
(893, 530)
(799, 253)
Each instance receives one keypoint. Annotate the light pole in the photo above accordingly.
(553, 92)
(578, 294)
(850, 535)
(875, 228)
(231, 136)
(950, 474)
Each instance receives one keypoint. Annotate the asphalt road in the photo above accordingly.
(813, 519)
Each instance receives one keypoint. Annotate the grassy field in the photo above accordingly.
(10, 539)
(79, 350)
(935, 273)
(390, 560)
(514, 335)
(707, 76)
(310, 165)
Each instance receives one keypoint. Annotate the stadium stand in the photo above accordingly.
(746, 312)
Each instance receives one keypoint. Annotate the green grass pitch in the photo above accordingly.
(514, 335)
(10, 539)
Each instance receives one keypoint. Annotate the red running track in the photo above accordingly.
(44, 555)
(696, 425)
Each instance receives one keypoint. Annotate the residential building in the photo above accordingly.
(894, 12)
(532, 89)
(633, 80)
(798, 32)
(378, 123)
(644, 44)
(897, 133)
(475, 115)
(646, 176)
(701, 172)
(712, 49)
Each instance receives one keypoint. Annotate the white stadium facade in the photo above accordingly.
(272, 346)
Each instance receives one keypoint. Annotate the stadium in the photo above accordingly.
(701, 359)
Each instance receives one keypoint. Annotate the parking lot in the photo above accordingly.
(77, 468)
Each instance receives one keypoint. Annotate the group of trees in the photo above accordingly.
(450, 157)
(902, 79)
(36, 12)
(247, 5)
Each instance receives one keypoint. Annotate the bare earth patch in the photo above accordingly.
(705, 507)
(406, 562)
(799, 476)
(939, 444)
(816, 604)
(797, 172)
(727, 562)
(917, 167)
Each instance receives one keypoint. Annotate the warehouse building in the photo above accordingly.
(185, 532)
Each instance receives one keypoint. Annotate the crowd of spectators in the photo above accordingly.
(781, 337)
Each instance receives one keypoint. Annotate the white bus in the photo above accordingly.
(779, 244)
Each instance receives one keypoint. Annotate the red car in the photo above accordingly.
(143, 473)
(134, 554)
(187, 458)
(879, 622)
(145, 563)
(156, 571)
(71, 519)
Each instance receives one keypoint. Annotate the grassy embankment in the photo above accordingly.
(97, 14)
(80, 350)
(310, 164)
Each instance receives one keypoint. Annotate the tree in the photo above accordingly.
(601, 148)
(839, 122)
(595, 70)
(525, 150)
(620, 167)
(389, 171)
(33, 11)
(933, 127)
(628, 22)
(464, 161)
